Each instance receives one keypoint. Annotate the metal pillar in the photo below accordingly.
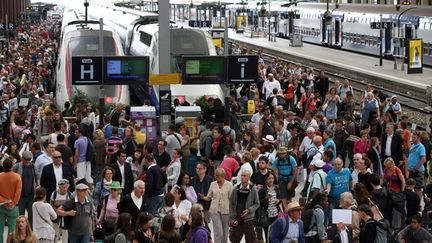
(164, 53)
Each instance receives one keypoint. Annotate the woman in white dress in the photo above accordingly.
(43, 214)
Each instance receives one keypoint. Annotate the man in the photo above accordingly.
(44, 126)
(290, 228)
(53, 173)
(317, 180)
(394, 108)
(321, 84)
(36, 150)
(58, 198)
(29, 183)
(123, 172)
(339, 138)
(283, 136)
(117, 115)
(315, 151)
(266, 124)
(173, 140)
(44, 159)
(306, 144)
(344, 89)
(243, 204)
(416, 160)
(79, 211)
(328, 141)
(205, 140)
(65, 151)
(155, 183)
(112, 141)
(285, 170)
(256, 118)
(259, 178)
(338, 181)
(83, 167)
(134, 203)
(391, 145)
(309, 121)
(414, 233)
(363, 166)
(67, 112)
(270, 84)
(163, 159)
(356, 171)
(10, 194)
(201, 183)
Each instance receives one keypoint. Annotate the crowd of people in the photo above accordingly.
(223, 178)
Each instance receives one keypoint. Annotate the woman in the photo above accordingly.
(174, 168)
(59, 117)
(91, 114)
(136, 163)
(100, 152)
(181, 207)
(289, 93)
(369, 104)
(102, 188)
(109, 213)
(129, 142)
(23, 233)
(317, 230)
(361, 194)
(219, 142)
(198, 233)
(406, 137)
(375, 156)
(368, 225)
(269, 197)
(124, 229)
(331, 104)
(43, 214)
(185, 147)
(307, 101)
(196, 208)
(348, 105)
(362, 145)
(184, 182)
(393, 176)
(144, 228)
(248, 141)
(168, 230)
(52, 138)
(375, 125)
(12, 151)
(219, 194)
(245, 165)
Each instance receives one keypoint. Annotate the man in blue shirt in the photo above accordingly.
(285, 169)
(416, 160)
(338, 181)
(290, 228)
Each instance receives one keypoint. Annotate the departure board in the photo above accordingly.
(126, 70)
(204, 70)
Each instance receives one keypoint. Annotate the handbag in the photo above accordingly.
(110, 222)
(263, 220)
(377, 215)
(289, 96)
(302, 175)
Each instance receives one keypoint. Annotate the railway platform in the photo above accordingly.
(348, 64)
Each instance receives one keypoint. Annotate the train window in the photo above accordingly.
(145, 38)
(89, 45)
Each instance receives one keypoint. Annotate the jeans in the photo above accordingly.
(85, 238)
(220, 227)
(154, 203)
(24, 204)
(9, 215)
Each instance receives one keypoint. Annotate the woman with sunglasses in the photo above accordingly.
(184, 182)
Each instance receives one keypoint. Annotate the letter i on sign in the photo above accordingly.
(242, 69)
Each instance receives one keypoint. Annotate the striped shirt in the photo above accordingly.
(111, 143)
(283, 137)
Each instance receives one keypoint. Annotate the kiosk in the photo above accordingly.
(146, 117)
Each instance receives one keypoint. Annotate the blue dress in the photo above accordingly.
(368, 107)
(331, 110)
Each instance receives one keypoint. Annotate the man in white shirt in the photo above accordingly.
(44, 159)
(133, 203)
(317, 179)
(307, 142)
(270, 84)
(173, 140)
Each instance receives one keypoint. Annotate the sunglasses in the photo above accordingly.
(57, 157)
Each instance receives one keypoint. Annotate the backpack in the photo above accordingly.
(382, 232)
(61, 219)
(284, 227)
(160, 215)
(90, 152)
(111, 238)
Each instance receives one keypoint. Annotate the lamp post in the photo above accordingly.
(269, 20)
(86, 4)
(399, 37)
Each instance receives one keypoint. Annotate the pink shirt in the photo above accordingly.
(111, 208)
(230, 165)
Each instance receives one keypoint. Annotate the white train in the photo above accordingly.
(81, 39)
(139, 33)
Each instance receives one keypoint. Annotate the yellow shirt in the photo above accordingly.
(140, 137)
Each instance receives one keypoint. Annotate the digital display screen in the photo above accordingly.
(204, 70)
(126, 70)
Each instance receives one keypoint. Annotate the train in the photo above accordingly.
(139, 33)
(342, 26)
(81, 38)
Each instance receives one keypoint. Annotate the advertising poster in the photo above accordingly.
(415, 56)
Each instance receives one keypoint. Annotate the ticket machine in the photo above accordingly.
(145, 116)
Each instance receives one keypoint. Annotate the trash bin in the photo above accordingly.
(296, 40)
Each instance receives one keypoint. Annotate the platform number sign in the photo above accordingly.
(243, 69)
(87, 70)
(381, 25)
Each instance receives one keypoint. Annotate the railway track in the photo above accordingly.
(412, 102)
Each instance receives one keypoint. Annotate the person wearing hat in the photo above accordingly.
(58, 198)
(289, 228)
(79, 211)
(109, 212)
(394, 108)
(286, 170)
(265, 126)
(317, 179)
(29, 182)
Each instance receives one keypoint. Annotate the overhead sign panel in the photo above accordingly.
(87, 70)
(163, 79)
(381, 25)
(200, 24)
(243, 69)
(126, 70)
(204, 70)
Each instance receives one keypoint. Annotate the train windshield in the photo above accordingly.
(186, 42)
(89, 46)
